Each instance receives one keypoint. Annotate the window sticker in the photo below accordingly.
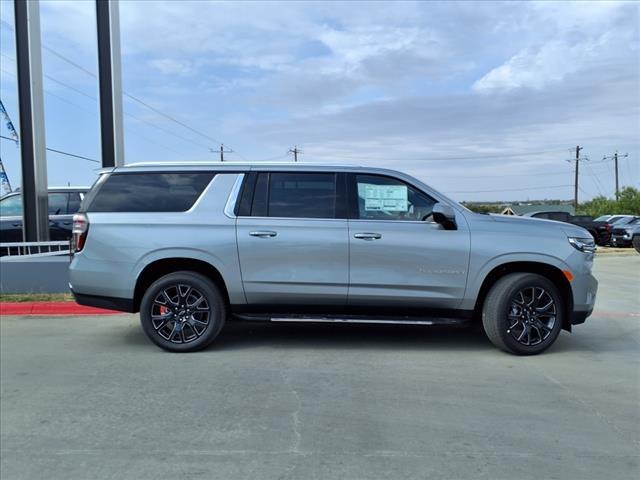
(384, 198)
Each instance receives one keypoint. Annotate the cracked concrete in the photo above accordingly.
(91, 398)
(295, 415)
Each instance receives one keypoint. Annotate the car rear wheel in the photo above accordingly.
(523, 313)
(182, 312)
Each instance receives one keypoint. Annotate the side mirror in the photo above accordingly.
(445, 216)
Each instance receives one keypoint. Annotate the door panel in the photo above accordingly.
(398, 257)
(306, 261)
(410, 264)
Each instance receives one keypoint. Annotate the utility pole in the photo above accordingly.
(33, 154)
(575, 191)
(110, 83)
(615, 159)
(222, 151)
(295, 152)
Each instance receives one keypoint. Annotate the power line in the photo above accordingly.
(596, 181)
(279, 157)
(126, 113)
(510, 189)
(141, 120)
(159, 112)
(127, 94)
(60, 152)
(511, 175)
(446, 159)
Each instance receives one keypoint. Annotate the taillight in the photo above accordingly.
(79, 232)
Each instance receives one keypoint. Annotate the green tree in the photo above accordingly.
(627, 203)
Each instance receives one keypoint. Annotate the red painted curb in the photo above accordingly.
(50, 308)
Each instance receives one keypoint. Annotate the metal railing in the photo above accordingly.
(34, 249)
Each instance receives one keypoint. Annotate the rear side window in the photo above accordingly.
(148, 192)
(295, 195)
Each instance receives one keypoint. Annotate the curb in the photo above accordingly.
(51, 308)
(615, 251)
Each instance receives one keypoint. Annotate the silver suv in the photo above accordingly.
(191, 245)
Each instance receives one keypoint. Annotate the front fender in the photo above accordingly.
(477, 279)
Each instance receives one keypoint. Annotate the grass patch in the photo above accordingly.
(36, 297)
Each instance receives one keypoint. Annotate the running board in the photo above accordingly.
(352, 319)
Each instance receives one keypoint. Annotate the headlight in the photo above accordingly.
(587, 245)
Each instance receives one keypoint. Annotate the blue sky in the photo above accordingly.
(481, 100)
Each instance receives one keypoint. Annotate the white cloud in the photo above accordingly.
(170, 66)
(582, 35)
(385, 83)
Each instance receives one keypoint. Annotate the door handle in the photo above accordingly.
(263, 233)
(368, 236)
(18, 224)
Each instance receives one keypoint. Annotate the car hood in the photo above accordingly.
(542, 223)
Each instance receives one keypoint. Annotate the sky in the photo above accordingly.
(481, 100)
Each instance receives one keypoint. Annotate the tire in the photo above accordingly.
(511, 321)
(600, 240)
(636, 243)
(182, 312)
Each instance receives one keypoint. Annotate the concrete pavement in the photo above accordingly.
(91, 398)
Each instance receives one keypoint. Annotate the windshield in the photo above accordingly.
(11, 206)
(625, 220)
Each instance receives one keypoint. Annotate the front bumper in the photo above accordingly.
(621, 241)
(580, 317)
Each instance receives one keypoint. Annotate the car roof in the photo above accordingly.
(244, 167)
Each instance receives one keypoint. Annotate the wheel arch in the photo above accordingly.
(551, 272)
(158, 268)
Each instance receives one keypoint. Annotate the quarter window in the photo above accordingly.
(148, 192)
(386, 198)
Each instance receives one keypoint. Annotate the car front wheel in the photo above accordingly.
(523, 313)
(182, 312)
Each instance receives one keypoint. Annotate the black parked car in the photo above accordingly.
(600, 231)
(63, 203)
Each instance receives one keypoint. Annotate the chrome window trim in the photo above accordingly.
(233, 197)
(305, 219)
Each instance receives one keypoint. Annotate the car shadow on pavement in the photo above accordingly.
(247, 335)
(238, 335)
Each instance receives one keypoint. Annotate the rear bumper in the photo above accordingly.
(110, 303)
